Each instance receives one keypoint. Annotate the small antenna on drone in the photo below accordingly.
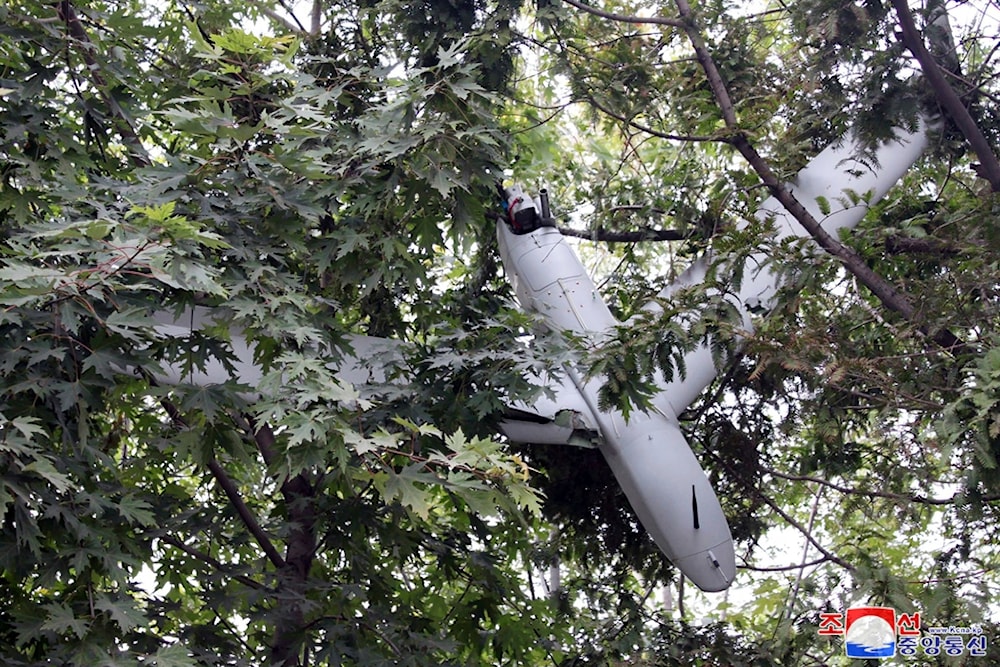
(543, 202)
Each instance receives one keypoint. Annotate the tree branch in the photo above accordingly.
(636, 208)
(949, 99)
(897, 245)
(293, 25)
(907, 498)
(827, 554)
(644, 234)
(317, 17)
(886, 293)
(68, 14)
(715, 80)
(247, 516)
(214, 562)
(623, 18)
(229, 488)
(784, 568)
(301, 544)
(648, 130)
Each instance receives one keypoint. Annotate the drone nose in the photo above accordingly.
(711, 570)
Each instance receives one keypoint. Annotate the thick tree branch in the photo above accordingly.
(704, 56)
(301, 544)
(317, 17)
(623, 18)
(886, 293)
(949, 99)
(246, 515)
(263, 437)
(229, 488)
(137, 151)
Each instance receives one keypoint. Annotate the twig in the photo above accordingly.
(784, 568)
(896, 245)
(909, 498)
(630, 208)
(381, 635)
(958, 577)
(624, 18)
(794, 594)
(215, 563)
(236, 634)
(802, 529)
(648, 130)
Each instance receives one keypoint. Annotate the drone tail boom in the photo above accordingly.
(837, 187)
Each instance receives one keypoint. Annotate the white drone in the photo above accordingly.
(647, 452)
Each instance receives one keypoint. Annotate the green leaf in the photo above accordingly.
(136, 511)
(27, 275)
(28, 426)
(61, 619)
(407, 488)
(824, 205)
(173, 655)
(44, 469)
(123, 611)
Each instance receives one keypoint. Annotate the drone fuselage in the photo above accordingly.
(648, 453)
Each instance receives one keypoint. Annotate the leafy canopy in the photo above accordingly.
(318, 173)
